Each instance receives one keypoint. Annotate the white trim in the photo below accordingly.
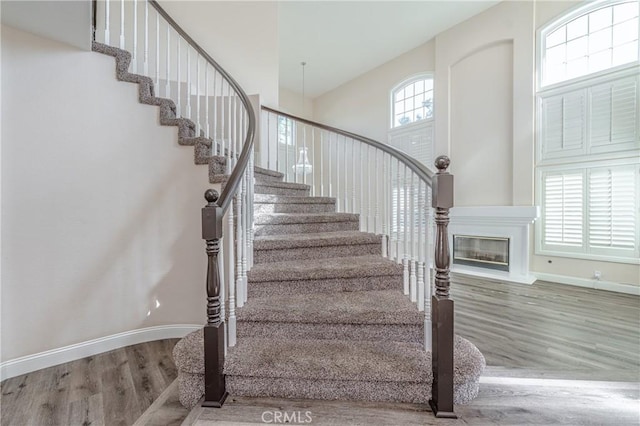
(26, 364)
(590, 283)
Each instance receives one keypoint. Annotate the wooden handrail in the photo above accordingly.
(417, 167)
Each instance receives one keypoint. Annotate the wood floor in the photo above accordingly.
(113, 388)
(556, 355)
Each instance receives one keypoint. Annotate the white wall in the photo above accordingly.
(241, 36)
(100, 205)
(65, 21)
(498, 44)
(292, 103)
(362, 105)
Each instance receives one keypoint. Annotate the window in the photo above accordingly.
(588, 144)
(412, 131)
(600, 38)
(412, 101)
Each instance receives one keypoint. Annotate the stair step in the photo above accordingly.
(265, 203)
(285, 223)
(267, 175)
(357, 273)
(361, 315)
(329, 369)
(284, 247)
(281, 188)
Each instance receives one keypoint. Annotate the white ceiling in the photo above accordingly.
(339, 40)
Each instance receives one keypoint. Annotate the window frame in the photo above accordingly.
(543, 32)
(588, 159)
(406, 82)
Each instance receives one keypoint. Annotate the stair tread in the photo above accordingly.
(318, 239)
(329, 360)
(289, 199)
(381, 307)
(289, 218)
(335, 267)
(268, 172)
(285, 185)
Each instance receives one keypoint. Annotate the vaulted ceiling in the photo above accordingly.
(340, 40)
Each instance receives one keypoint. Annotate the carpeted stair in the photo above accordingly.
(325, 317)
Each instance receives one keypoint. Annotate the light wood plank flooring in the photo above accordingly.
(113, 388)
(556, 355)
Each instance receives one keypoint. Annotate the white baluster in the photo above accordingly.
(427, 276)
(376, 191)
(134, 58)
(304, 146)
(157, 82)
(421, 239)
(361, 162)
(322, 193)
(179, 78)
(167, 89)
(231, 278)
(206, 105)
(198, 119)
(385, 193)
(146, 38)
(336, 160)
(122, 45)
(251, 206)
(412, 258)
(353, 176)
(369, 194)
(329, 166)
(405, 234)
(188, 108)
(107, 18)
(345, 190)
(245, 240)
(314, 167)
(214, 134)
(239, 243)
(397, 208)
(287, 165)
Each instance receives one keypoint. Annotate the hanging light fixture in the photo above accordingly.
(303, 166)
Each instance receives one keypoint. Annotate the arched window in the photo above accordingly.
(412, 100)
(603, 36)
(588, 135)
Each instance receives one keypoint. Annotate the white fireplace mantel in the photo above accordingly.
(511, 222)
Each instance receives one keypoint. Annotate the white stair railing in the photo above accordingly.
(389, 190)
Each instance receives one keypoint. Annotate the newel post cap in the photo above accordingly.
(442, 190)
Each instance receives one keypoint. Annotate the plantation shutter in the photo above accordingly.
(563, 204)
(563, 124)
(614, 115)
(612, 206)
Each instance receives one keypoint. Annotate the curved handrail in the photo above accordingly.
(417, 167)
(225, 198)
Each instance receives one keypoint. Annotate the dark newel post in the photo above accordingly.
(214, 387)
(441, 305)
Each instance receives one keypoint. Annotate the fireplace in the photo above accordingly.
(492, 242)
(482, 252)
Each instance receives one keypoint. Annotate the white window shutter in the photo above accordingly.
(563, 124)
(612, 208)
(563, 204)
(613, 117)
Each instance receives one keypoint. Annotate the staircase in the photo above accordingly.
(327, 314)
(326, 317)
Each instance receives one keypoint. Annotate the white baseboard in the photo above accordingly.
(26, 364)
(590, 283)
